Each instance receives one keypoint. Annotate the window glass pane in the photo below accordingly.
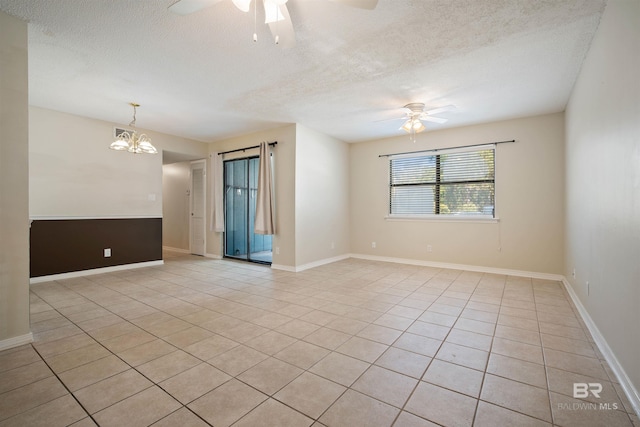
(466, 199)
(474, 165)
(413, 170)
(464, 182)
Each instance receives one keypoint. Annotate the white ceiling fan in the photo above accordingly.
(415, 114)
(276, 14)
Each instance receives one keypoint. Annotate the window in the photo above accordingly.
(451, 183)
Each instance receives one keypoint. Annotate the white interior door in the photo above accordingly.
(197, 206)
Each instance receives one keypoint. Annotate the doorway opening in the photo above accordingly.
(240, 191)
(178, 230)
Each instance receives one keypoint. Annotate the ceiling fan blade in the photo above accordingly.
(360, 4)
(441, 109)
(243, 5)
(186, 7)
(389, 120)
(282, 30)
(433, 119)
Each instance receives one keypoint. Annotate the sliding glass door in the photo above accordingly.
(241, 187)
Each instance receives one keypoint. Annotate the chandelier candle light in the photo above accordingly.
(131, 141)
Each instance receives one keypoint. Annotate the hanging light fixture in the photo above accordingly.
(131, 141)
(272, 12)
(413, 124)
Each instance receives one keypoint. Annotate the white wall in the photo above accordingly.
(14, 183)
(529, 200)
(322, 196)
(175, 205)
(603, 183)
(73, 173)
(311, 194)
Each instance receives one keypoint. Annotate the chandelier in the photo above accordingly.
(131, 141)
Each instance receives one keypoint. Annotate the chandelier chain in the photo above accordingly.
(133, 122)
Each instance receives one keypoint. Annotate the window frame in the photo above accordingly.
(439, 216)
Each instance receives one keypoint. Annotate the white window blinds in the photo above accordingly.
(456, 182)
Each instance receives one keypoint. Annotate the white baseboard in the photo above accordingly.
(309, 265)
(16, 341)
(625, 382)
(188, 252)
(623, 378)
(283, 268)
(322, 262)
(476, 268)
(182, 251)
(93, 271)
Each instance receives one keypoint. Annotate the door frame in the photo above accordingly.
(193, 163)
(248, 238)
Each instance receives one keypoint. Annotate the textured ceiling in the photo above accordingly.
(201, 76)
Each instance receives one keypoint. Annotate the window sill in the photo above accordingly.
(443, 218)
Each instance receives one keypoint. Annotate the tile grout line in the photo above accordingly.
(544, 361)
(116, 355)
(484, 374)
(351, 292)
(65, 387)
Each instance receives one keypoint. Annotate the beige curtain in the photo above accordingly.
(264, 222)
(217, 199)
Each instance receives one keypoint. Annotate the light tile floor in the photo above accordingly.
(201, 342)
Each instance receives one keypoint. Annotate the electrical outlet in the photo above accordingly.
(107, 252)
(277, 250)
(429, 248)
(333, 245)
(587, 287)
(373, 245)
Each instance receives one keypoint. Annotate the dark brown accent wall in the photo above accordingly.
(68, 245)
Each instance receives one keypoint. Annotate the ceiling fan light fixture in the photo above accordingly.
(272, 12)
(131, 141)
(276, 12)
(413, 125)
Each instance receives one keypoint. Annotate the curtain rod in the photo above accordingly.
(246, 148)
(448, 148)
